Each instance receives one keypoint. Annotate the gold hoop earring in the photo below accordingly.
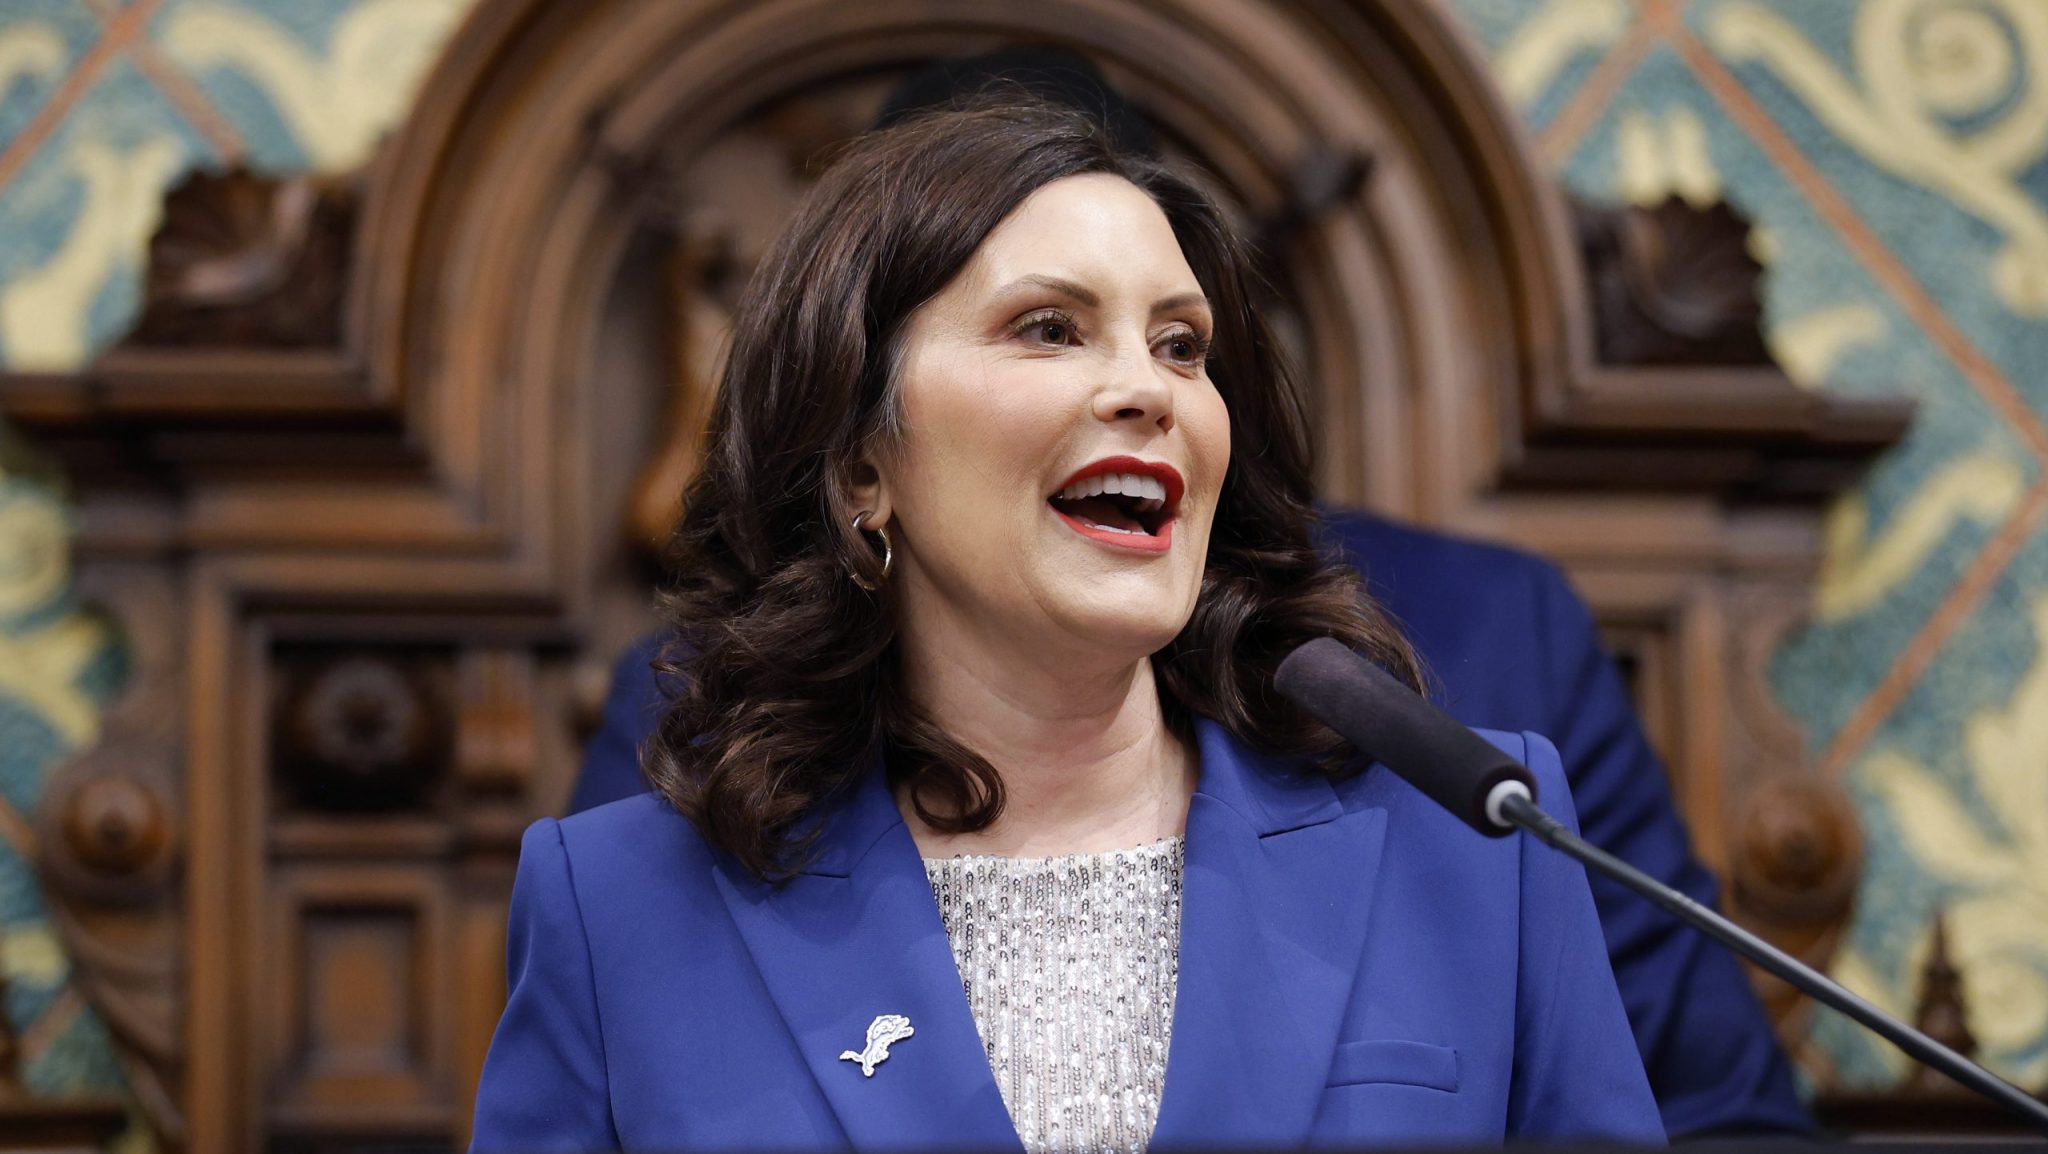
(888, 551)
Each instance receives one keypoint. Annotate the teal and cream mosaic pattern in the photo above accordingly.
(1893, 152)
(1895, 156)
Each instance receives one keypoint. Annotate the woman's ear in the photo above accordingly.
(869, 491)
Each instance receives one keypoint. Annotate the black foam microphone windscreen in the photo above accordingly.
(1392, 724)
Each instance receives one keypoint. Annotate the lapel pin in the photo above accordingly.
(885, 1031)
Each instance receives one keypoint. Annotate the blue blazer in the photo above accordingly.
(1510, 646)
(1356, 967)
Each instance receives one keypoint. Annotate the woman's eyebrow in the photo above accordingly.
(1060, 285)
(1086, 296)
(1180, 301)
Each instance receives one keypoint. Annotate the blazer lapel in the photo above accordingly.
(858, 936)
(1274, 904)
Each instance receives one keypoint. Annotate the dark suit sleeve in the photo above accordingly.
(611, 762)
(1577, 1075)
(1708, 1047)
(544, 1085)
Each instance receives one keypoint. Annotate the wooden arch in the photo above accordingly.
(358, 509)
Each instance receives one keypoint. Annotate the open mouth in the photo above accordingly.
(1122, 501)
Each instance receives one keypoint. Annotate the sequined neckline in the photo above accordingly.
(1071, 968)
(1162, 847)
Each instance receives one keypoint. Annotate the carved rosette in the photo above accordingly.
(1798, 852)
(361, 731)
(111, 825)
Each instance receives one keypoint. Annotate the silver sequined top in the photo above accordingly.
(1070, 966)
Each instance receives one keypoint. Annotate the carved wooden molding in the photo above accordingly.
(1670, 385)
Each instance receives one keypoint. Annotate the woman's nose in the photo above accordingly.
(1135, 388)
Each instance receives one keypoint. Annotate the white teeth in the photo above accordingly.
(1151, 493)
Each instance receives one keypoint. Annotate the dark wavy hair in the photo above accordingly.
(788, 671)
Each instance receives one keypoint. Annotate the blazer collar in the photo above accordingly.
(1269, 793)
(1275, 896)
(1274, 903)
(857, 936)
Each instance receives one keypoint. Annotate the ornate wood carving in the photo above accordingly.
(116, 828)
(1672, 285)
(248, 261)
(1926, 1102)
(360, 732)
(1793, 846)
(1672, 386)
(1798, 850)
(700, 287)
(1796, 859)
(111, 833)
(1941, 1013)
(356, 482)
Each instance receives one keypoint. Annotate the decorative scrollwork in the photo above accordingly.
(1949, 98)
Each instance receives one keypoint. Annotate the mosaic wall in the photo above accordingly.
(1894, 153)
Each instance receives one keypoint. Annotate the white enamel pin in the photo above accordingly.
(884, 1032)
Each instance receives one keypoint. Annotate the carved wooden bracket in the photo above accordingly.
(1673, 387)
(247, 356)
(247, 261)
(1672, 285)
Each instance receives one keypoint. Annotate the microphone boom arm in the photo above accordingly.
(1518, 808)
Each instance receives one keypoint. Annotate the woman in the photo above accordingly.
(978, 824)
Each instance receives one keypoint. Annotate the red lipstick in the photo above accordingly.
(1124, 520)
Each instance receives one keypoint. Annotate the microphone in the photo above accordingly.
(1388, 722)
(1463, 772)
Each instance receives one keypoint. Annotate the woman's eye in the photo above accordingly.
(1185, 348)
(1050, 329)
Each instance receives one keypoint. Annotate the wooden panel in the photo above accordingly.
(361, 998)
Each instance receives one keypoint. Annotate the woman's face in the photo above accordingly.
(1062, 445)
